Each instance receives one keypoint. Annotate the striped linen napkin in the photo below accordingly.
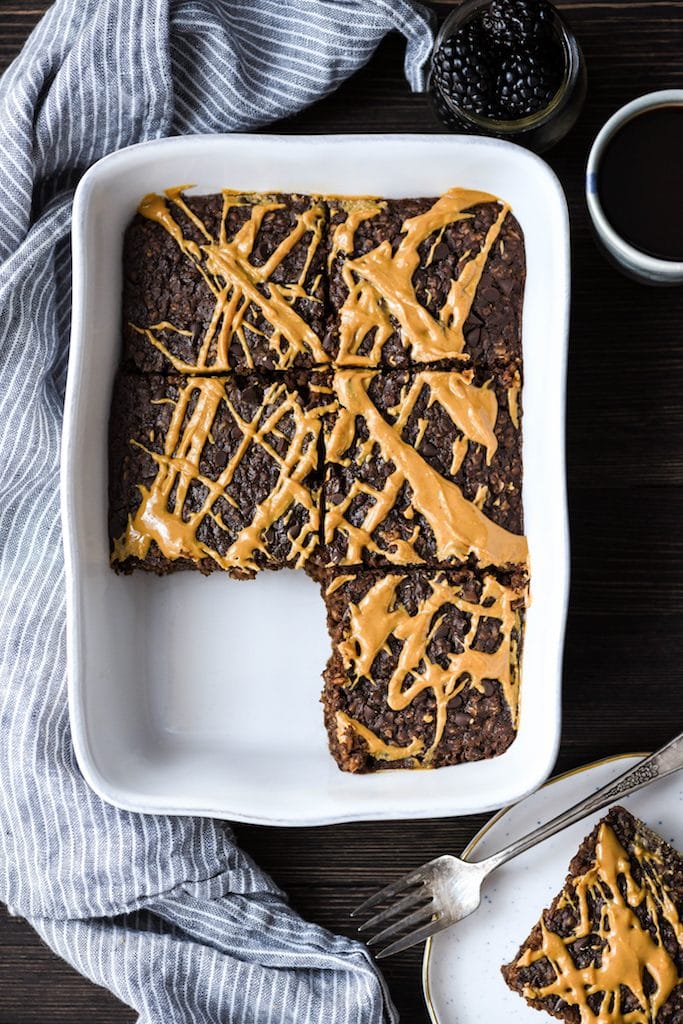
(166, 912)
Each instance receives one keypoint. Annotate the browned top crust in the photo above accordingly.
(424, 670)
(224, 282)
(423, 466)
(417, 281)
(219, 471)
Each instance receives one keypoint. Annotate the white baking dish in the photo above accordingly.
(194, 695)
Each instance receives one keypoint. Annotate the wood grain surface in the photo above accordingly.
(623, 684)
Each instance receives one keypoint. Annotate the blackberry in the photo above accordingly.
(443, 111)
(461, 69)
(519, 25)
(525, 84)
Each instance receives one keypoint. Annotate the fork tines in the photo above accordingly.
(416, 914)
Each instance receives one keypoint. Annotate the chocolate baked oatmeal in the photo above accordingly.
(426, 281)
(333, 384)
(215, 472)
(610, 947)
(224, 282)
(425, 667)
(423, 467)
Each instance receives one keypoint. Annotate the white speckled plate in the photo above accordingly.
(461, 974)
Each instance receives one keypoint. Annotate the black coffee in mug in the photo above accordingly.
(640, 181)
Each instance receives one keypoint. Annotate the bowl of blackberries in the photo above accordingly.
(508, 68)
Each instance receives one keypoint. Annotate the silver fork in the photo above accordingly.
(446, 890)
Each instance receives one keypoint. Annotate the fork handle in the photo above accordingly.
(658, 765)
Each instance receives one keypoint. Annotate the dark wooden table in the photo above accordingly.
(623, 683)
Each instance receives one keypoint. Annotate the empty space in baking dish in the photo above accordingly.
(201, 695)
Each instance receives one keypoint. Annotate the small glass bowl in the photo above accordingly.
(540, 130)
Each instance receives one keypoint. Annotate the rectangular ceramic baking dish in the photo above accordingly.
(193, 695)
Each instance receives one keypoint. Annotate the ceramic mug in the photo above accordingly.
(632, 261)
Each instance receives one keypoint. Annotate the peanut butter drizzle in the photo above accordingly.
(474, 410)
(459, 527)
(161, 518)
(380, 616)
(513, 405)
(380, 286)
(237, 285)
(377, 748)
(357, 211)
(338, 582)
(628, 949)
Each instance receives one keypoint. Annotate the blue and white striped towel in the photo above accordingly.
(167, 913)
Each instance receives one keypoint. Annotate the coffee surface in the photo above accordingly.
(639, 182)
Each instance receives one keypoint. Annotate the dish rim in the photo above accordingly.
(87, 761)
